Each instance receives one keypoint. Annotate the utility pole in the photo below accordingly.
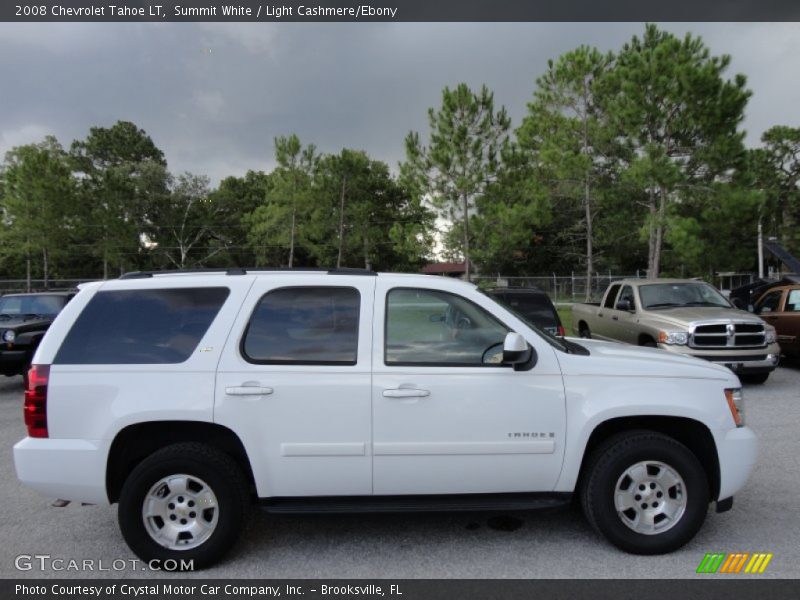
(760, 249)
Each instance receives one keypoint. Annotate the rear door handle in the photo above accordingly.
(405, 393)
(615, 318)
(248, 390)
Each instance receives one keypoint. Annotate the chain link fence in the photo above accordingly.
(563, 289)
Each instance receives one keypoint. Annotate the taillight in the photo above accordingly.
(561, 331)
(36, 401)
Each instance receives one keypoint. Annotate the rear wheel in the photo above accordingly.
(185, 502)
(584, 331)
(645, 492)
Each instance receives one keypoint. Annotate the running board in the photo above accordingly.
(425, 503)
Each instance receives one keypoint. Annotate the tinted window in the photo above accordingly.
(141, 326)
(429, 327)
(612, 294)
(770, 302)
(313, 325)
(534, 307)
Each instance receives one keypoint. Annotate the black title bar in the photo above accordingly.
(402, 10)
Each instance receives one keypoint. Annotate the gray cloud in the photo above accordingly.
(213, 96)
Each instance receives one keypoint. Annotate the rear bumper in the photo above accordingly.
(737, 450)
(68, 469)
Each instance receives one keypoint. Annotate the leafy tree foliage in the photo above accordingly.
(461, 158)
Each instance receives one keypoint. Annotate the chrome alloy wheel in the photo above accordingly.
(650, 497)
(180, 512)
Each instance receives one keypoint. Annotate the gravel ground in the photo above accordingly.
(543, 544)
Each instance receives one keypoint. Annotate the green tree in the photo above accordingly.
(123, 175)
(186, 224)
(776, 171)
(275, 224)
(567, 137)
(680, 116)
(461, 157)
(373, 220)
(237, 197)
(38, 205)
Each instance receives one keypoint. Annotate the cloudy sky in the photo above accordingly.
(213, 96)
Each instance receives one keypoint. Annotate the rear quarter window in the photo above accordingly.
(155, 326)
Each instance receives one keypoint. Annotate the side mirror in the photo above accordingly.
(517, 352)
(624, 305)
(739, 303)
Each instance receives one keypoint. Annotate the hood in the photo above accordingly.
(611, 358)
(20, 322)
(690, 314)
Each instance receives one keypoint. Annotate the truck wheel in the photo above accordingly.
(645, 492)
(755, 378)
(584, 331)
(185, 502)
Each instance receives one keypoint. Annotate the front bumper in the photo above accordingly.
(737, 450)
(67, 469)
(12, 362)
(758, 360)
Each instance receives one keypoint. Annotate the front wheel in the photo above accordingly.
(645, 492)
(186, 502)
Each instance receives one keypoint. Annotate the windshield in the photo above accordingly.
(31, 305)
(670, 295)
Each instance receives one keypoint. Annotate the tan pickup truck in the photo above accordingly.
(684, 317)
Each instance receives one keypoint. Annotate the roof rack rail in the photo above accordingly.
(246, 270)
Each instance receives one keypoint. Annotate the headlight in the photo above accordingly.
(9, 336)
(769, 336)
(736, 404)
(680, 338)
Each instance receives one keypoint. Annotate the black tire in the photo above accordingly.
(754, 378)
(218, 470)
(648, 343)
(606, 467)
(584, 331)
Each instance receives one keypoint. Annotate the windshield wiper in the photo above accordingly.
(5, 316)
(704, 303)
(662, 305)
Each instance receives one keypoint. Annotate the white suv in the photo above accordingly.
(185, 397)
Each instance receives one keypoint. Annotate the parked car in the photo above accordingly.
(533, 305)
(780, 307)
(685, 317)
(186, 397)
(23, 320)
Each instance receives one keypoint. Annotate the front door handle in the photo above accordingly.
(248, 390)
(405, 393)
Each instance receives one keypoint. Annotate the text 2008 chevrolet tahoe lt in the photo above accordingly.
(185, 397)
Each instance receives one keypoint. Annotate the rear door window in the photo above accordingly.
(155, 326)
(611, 296)
(304, 326)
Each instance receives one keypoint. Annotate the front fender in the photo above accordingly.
(593, 400)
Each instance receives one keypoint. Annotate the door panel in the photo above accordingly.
(311, 434)
(468, 428)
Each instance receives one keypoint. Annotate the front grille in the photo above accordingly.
(733, 359)
(728, 335)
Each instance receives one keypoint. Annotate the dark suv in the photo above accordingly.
(533, 305)
(23, 320)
